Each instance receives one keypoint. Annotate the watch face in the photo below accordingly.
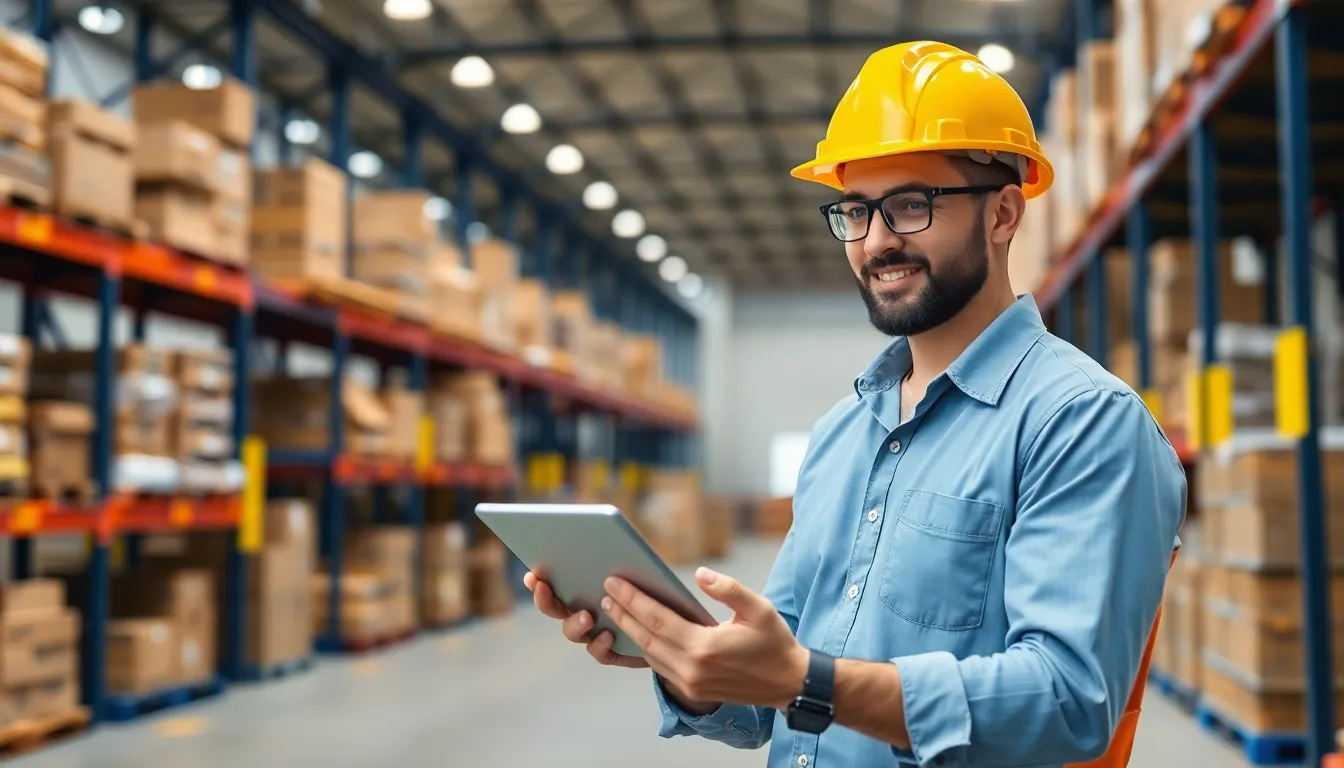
(809, 716)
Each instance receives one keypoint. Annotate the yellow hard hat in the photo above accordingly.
(927, 97)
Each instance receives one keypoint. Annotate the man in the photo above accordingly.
(981, 535)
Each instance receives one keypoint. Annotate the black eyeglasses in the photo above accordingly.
(906, 212)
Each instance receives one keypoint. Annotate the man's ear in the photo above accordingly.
(1005, 216)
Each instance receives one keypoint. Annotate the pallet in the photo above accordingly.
(1257, 748)
(1178, 694)
(17, 193)
(133, 230)
(344, 292)
(33, 733)
(279, 671)
(363, 645)
(80, 492)
(122, 707)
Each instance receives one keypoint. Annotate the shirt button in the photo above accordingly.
(895, 446)
(853, 591)
(872, 515)
(802, 760)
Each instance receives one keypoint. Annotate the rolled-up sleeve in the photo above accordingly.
(1101, 495)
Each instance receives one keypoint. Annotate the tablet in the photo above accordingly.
(575, 547)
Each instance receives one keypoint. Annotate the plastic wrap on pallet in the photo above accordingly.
(146, 474)
(201, 477)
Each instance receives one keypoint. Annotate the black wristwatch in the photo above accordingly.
(812, 711)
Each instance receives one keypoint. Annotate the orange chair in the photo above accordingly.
(1122, 741)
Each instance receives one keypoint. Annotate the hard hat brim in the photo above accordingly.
(825, 170)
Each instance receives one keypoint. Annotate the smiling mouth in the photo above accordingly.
(895, 274)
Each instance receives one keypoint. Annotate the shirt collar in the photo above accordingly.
(982, 370)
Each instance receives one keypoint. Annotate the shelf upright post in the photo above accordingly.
(466, 203)
(1295, 178)
(284, 147)
(418, 381)
(508, 215)
(412, 172)
(30, 324)
(339, 79)
(541, 246)
(43, 15)
(144, 45)
(97, 604)
(1064, 311)
(1269, 253)
(239, 561)
(1203, 159)
(333, 497)
(1138, 239)
(1097, 302)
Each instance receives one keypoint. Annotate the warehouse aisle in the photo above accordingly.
(499, 693)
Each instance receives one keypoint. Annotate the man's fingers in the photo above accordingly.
(577, 626)
(600, 649)
(544, 599)
(530, 581)
(731, 593)
(652, 617)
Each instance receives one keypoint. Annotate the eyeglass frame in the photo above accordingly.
(876, 203)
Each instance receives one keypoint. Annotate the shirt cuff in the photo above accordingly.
(937, 714)
(679, 722)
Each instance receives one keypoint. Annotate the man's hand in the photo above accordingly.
(752, 659)
(577, 626)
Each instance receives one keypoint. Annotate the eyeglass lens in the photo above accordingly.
(907, 213)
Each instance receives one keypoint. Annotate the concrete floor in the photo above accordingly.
(508, 692)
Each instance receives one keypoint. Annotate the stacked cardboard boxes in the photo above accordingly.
(720, 525)
(573, 334)
(363, 596)
(1253, 668)
(533, 325)
(389, 552)
(39, 655)
(144, 402)
(202, 423)
(608, 343)
(672, 515)
(404, 408)
(490, 588)
(279, 621)
(93, 164)
(299, 222)
(489, 430)
(458, 302)
(59, 441)
(451, 418)
(444, 589)
(495, 263)
(1136, 48)
(1068, 207)
(395, 244)
(193, 167)
(643, 363)
(295, 414)
(24, 169)
(15, 360)
(165, 630)
(1032, 247)
(1098, 161)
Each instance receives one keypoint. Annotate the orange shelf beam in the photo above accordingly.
(151, 514)
(39, 516)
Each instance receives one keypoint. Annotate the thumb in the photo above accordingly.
(730, 592)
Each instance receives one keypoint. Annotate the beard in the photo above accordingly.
(945, 293)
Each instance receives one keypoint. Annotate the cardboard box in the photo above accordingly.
(201, 442)
(290, 523)
(394, 218)
(184, 596)
(13, 440)
(93, 181)
(1174, 277)
(228, 111)
(299, 222)
(143, 436)
(32, 595)
(24, 62)
(389, 552)
(140, 655)
(50, 697)
(77, 117)
(233, 234)
(1135, 40)
(180, 218)
(178, 153)
(60, 434)
(720, 526)
(533, 325)
(23, 119)
(392, 268)
(293, 413)
(490, 589)
(16, 358)
(196, 653)
(205, 409)
(45, 627)
(405, 408)
(451, 425)
(235, 176)
(22, 665)
(203, 370)
(495, 263)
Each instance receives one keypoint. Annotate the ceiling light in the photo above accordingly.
(407, 10)
(520, 118)
(302, 131)
(672, 269)
(365, 164)
(627, 223)
(438, 208)
(599, 196)
(472, 72)
(996, 57)
(651, 248)
(201, 77)
(564, 159)
(690, 286)
(101, 20)
(477, 231)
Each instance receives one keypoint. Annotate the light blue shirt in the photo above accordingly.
(1006, 549)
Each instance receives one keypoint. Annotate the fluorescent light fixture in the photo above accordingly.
(101, 20)
(672, 269)
(627, 223)
(407, 10)
(599, 196)
(564, 159)
(438, 208)
(301, 130)
(520, 118)
(365, 164)
(477, 231)
(651, 248)
(472, 72)
(201, 77)
(996, 57)
(690, 286)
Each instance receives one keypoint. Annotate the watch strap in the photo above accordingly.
(820, 680)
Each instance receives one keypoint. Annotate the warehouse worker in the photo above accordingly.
(982, 530)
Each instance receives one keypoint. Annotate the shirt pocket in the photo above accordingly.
(939, 558)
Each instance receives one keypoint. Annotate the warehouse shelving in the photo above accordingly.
(1247, 125)
(48, 255)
